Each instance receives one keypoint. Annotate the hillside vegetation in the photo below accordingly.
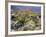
(27, 20)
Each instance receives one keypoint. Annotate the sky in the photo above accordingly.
(34, 8)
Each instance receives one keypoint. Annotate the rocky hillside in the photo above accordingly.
(27, 20)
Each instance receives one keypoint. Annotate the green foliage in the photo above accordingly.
(27, 19)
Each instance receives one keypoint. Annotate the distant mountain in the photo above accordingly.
(25, 12)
